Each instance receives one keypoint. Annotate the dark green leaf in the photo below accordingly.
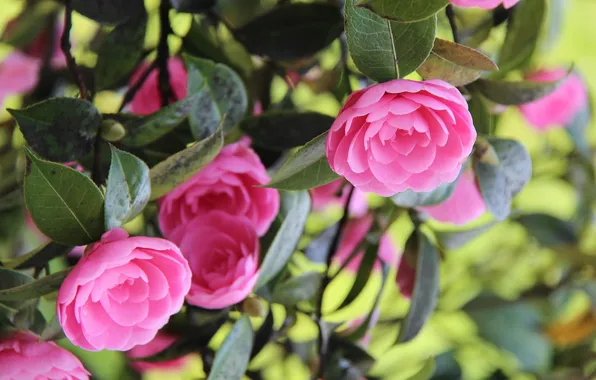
(34, 289)
(514, 93)
(426, 372)
(523, 32)
(120, 52)
(180, 167)
(30, 318)
(404, 10)
(282, 130)
(218, 94)
(52, 331)
(59, 129)
(292, 31)
(297, 289)
(294, 209)
(548, 230)
(263, 335)
(11, 200)
(232, 357)
(306, 168)
(426, 289)
(29, 24)
(358, 357)
(364, 273)
(109, 11)
(65, 204)
(384, 50)
(493, 187)
(11, 278)
(192, 6)
(483, 121)
(410, 198)
(457, 239)
(515, 163)
(577, 131)
(128, 188)
(39, 256)
(455, 63)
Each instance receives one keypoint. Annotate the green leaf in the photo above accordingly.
(483, 121)
(11, 200)
(128, 188)
(514, 93)
(192, 6)
(492, 183)
(282, 130)
(39, 256)
(30, 318)
(523, 32)
(11, 279)
(426, 372)
(59, 129)
(297, 289)
(231, 360)
(34, 289)
(457, 239)
(65, 204)
(29, 24)
(404, 10)
(364, 273)
(52, 331)
(549, 230)
(515, 162)
(120, 52)
(180, 167)
(576, 129)
(218, 94)
(292, 31)
(306, 168)
(455, 63)
(294, 210)
(426, 289)
(410, 198)
(109, 11)
(384, 50)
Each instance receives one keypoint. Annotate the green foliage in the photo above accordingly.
(109, 11)
(192, 6)
(514, 93)
(232, 357)
(411, 198)
(404, 10)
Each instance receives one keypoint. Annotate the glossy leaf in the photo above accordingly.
(426, 289)
(384, 50)
(231, 360)
(514, 93)
(52, 331)
(411, 198)
(218, 94)
(282, 130)
(11, 279)
(128, 188)
(365, 269)
(180, 167)
(404, 10)
(455, 63)
(306, 168)
(292, 31)
(39, 256)
(515, 162)
(109, 11)
(59, 129)
(492, 183)
(457, 239)
(294, 210)
(483, 121)
(192, 6)
(55, 192)
(549, 230)
(120, 52)
(34, 289)
(297, 289)
(523, 32)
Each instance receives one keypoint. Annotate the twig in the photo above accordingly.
(132, 90)
(65, 46)
(327, 279)
(451, 17)
(163, 54)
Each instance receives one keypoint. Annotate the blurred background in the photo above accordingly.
(519, 331)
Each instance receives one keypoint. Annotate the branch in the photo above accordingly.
(327, 279)
(65, 46)
(451, 17)
(163, 54)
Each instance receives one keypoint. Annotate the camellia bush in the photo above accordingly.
(270, 189)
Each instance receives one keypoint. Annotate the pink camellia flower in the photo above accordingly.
(19, 73)
(122, 291)
(148, 98)
(335, 194)
(400, 135)
(223, 253)
(39, 45)
(485, 4)
(23, 356)
(463, 206)
(559, 107)
(229, 183)
(158, 344)
(352, 236)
